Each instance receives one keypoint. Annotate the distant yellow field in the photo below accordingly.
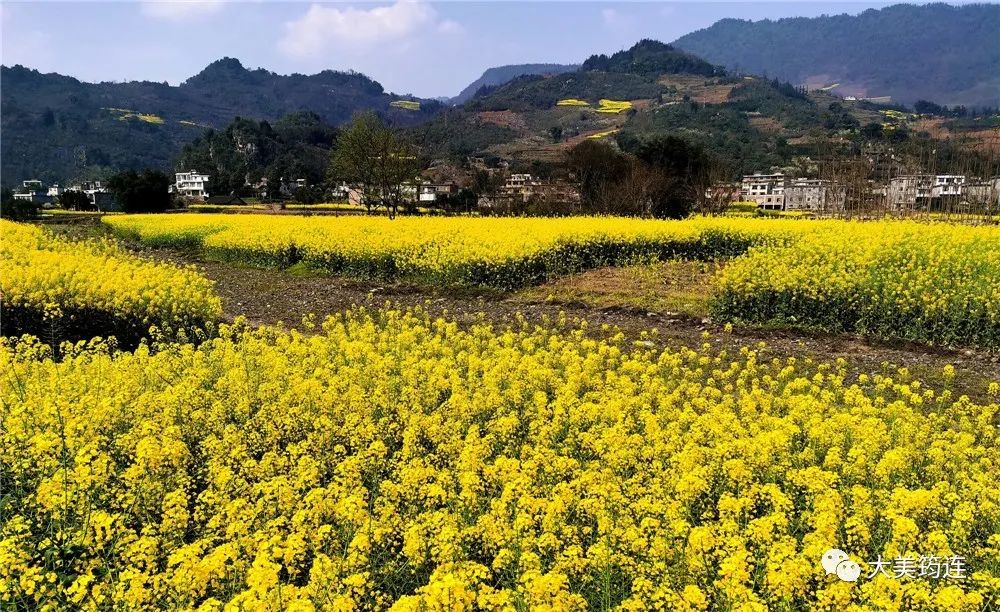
(603, 134)
(412, 105)
(613, 106)
(572, 102)
(125, 114)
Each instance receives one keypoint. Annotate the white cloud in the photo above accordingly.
(180, 10)
(323, 28)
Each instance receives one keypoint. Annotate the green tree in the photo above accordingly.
(75, 200)
(372, 158)
(872, 131)
(684, 174)
(17, 210)
(597, 168)
(146, 191)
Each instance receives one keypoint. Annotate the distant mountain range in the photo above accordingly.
(745, 123)
(502, 74)
(946, 54)
(56, 127)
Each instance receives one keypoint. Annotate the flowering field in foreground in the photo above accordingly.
(391, 460)
(497, 252)
(933, 283)
(53, 287)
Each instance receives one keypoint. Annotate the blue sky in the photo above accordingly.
(425, 48)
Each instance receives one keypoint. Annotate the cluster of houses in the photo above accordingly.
(525, 187)
(36, 192)
(193, 185)
(779, 192)
(423, 193)
(773, 191)
(903, 193)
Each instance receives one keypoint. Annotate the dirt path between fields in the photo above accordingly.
(269, 296)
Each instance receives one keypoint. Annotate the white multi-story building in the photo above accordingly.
(910, 191)
(432, 192)
(767, 190)
(814, 195)
(33, 191)
(920, 191)
(947, 185)
(982, 194)
(192, 184)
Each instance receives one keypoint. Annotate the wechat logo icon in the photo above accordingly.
(836, 561)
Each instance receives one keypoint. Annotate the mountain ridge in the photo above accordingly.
(499, 75)
(58, 127)
(938, 52)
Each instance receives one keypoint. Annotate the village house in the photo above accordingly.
(981, 195)
(430, 193)
(767, 190)
(524, 187)
(33, 191)
(815, 195)
(910, 192)
(192, 184)
(100, 197)
(925, 191)
(225, 200)
(947, 185)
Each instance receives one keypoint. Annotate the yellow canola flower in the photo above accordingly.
(396, 461)
(602, 134)
(496, 252)
(930, 282)
(46, 280)
(613, 106)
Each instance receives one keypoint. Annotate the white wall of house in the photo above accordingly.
(767, 190)
(192, 184)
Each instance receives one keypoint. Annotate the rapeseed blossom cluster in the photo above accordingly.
(936, 283)
(496, 252)
(389, 460)
(928, 282)
(83, 289)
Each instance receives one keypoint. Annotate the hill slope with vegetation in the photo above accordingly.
(56, 127)
(948, 54)
(499, 75)
(745, 123)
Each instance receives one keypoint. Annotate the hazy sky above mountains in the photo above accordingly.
(428, 49)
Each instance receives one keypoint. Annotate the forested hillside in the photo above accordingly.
(56, 127)
(499, 75)
(948, 54)
(744, 123)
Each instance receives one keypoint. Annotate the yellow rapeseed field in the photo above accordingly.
(930, 282)
(497, 252)
(53, 287)
(412, 105)
(394, 461)
(935, 283)
(613, 106)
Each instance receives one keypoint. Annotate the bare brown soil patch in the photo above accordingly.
(504, 118)
(768, 125)
(697, 88)
(609, 300)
